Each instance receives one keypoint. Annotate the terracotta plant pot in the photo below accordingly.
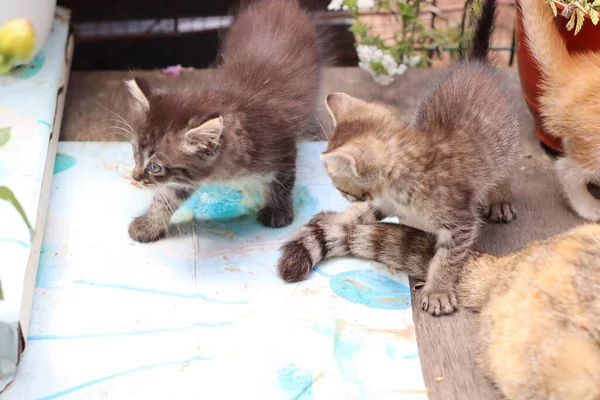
(587, 39)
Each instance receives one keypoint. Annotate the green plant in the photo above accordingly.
(384, 58)
(7, 195)
(576, 11)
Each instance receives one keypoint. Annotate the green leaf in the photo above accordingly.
(580, 19)
(8, 195)
(4, 135)
(553, 7)
(596, 3)
(1, 294)
(571, 23)
(594, 17)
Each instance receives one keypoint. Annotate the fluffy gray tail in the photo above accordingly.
(398, 246)
(482, 34)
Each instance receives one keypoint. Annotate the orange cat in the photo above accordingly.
(569, 104)
(539, 325)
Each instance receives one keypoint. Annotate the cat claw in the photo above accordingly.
(501, 212)
(438, 303)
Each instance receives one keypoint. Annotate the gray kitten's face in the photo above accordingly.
(172, 144)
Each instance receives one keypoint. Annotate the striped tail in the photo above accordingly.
(398, 246)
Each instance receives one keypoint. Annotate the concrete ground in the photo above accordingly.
(445, 344)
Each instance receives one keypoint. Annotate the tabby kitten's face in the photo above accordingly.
(173, 144)
(356, 156)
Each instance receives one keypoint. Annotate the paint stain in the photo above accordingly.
(296, 380)
(228, 211)
(371, 289)
(16, 241)
(31, 69)
(63, 162)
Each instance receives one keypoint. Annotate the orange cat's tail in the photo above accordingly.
(544, 40)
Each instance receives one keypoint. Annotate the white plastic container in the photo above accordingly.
(39, 12)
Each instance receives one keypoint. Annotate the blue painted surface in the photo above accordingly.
(63, 162)
(128, 333)
(218, 202)
(156, 291)
(296, 380)
(31, 69)
(118, 374)
(371, 289)
(17, 241)
(222, 209)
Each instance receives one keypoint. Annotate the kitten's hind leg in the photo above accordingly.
(499, 207)
(278, 211)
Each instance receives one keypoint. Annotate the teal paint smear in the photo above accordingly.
(130, 333)
(222, 209)
(390, 350)
(119, 374)
(371, 289)
(17, 241)
(30, 70)
(296, 380)
(63, 162)
(344, 350)
(321, 272)
(41, 121)
(156, 291)
(414, 355)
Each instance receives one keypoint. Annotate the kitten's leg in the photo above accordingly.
(452, 249)
(153, 225)
(574, 180)
(499, 207)
(278, 211)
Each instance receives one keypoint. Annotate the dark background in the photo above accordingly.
(145, 34)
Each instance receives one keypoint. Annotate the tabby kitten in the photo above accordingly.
(438, 173)
(539, 324)
(241, 122)
(569, 105)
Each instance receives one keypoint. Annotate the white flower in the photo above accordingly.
(365, 4)
(335, 5)
(401, 69)
(372, 55)
(411, 61)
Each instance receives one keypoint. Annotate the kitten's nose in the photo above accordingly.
(137, 174)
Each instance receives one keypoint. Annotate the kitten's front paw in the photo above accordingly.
(276, 218)
(501, 212)
(438, 301)
(143, 229)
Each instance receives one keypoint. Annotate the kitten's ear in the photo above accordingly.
(203, 137)
(338, 104)
(344, 161)
(141, 90)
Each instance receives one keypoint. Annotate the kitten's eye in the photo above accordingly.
(154, 168)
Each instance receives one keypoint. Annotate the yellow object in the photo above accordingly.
(17, 43)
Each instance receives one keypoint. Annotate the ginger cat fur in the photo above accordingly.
(569, 105)
(539, 325)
